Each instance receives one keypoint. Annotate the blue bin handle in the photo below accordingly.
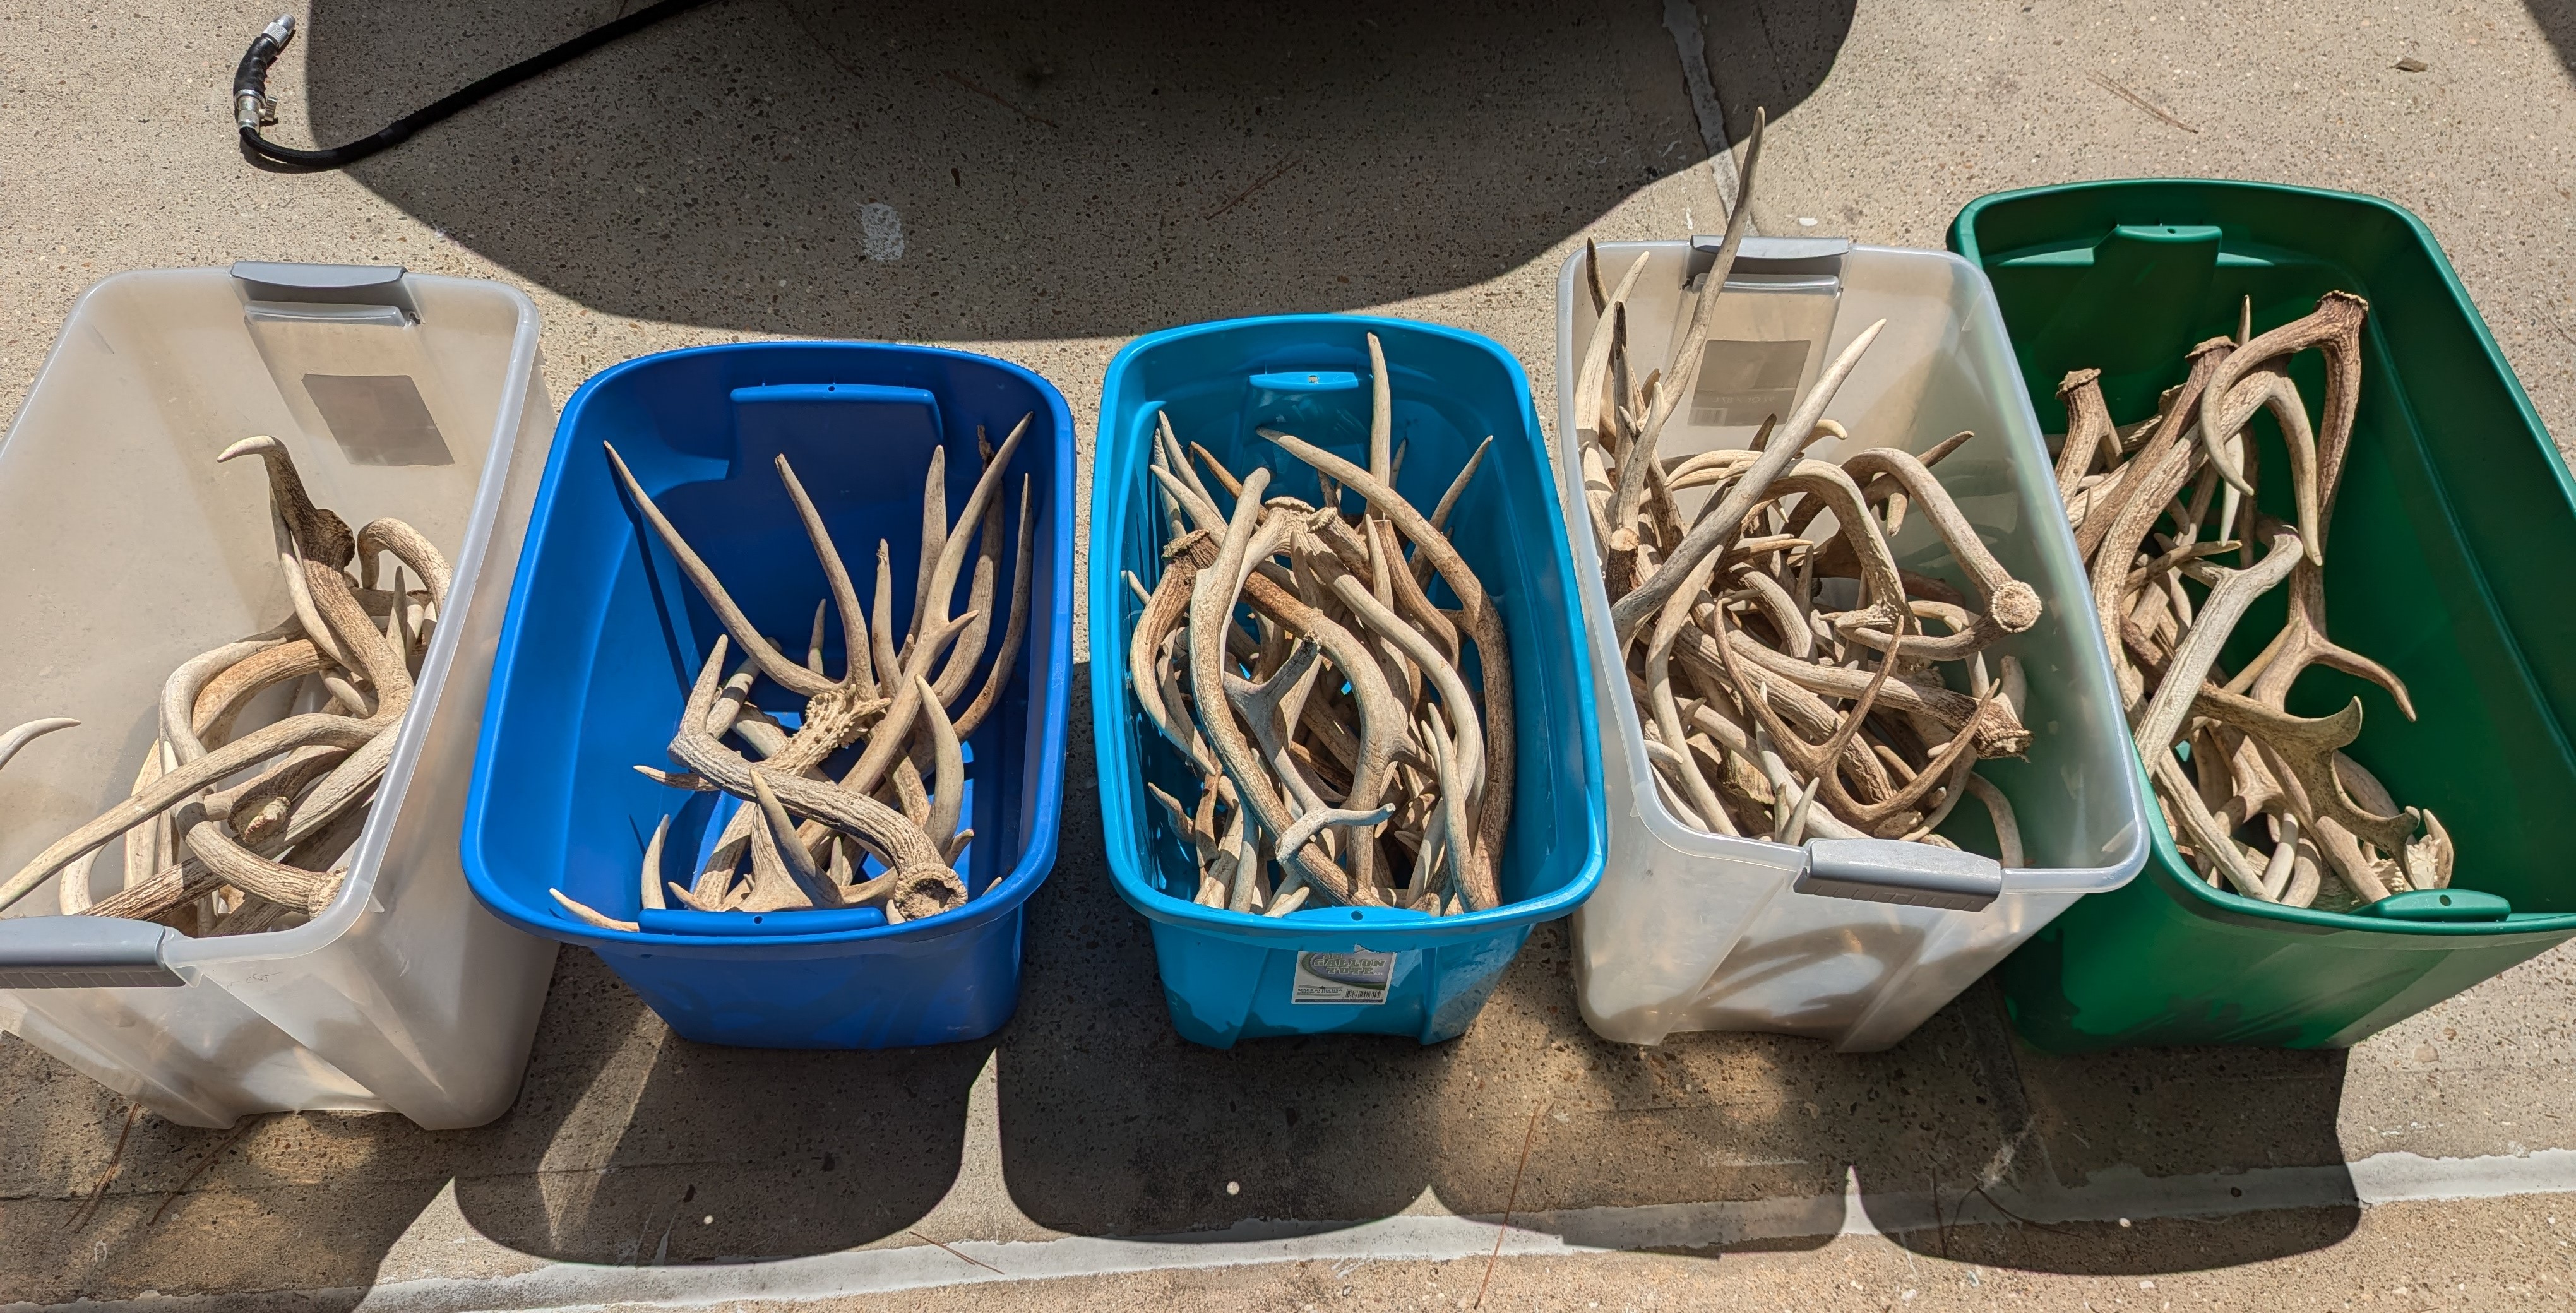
(84, 952)
(1887, 871)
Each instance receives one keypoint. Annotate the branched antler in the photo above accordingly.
(1344, 757)
(888, 830)
(270, 850)
(2248, 759)
(1786, 676)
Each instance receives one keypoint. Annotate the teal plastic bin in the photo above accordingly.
(1233, 975)
(2454, 541)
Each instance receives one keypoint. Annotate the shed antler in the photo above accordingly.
(1344, 755)
(271, 848)
(2336, 838)
(1787, 680)
(887, 831)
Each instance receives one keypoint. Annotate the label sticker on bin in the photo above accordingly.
(1352, 977)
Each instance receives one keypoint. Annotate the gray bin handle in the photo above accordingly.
(325, 284)
(84, 952)
(1887, 871)
(1812, 256)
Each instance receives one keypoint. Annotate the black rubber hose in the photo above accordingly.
(253, 110)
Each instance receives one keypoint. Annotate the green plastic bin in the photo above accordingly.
(2454, 549)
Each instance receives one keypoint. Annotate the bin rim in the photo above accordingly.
(1109, 687)
(1647, 804)
(2205, 900)
(2199, 897)
(1003, 897)
(366, 865)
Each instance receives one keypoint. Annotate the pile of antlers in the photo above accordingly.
(269, 848)
(896, 705)
(1337, 738)
(1778, 700)
(2263, 800)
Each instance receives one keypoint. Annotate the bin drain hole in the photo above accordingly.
(2446, 900)
(1356, 916)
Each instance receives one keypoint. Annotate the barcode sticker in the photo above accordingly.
(1352, 977)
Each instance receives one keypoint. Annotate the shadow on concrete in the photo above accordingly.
(1112, 1124)
(1000, 169)
(2125, 1125)
(2557, 21)
(631, 1145)
(626, 1145)
(312, 1201)
(1770, 54)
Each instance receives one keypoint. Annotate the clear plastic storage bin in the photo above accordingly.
(1855, 942)
(131, 551)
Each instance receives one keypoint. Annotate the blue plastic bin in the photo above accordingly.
(1228, 975)
(604, 638)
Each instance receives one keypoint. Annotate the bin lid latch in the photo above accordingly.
(1888, 871)
(84, 952)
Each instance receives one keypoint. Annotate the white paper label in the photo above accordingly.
(1352, 977)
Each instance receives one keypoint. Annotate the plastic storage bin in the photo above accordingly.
(604, 640)
(131, 551)
(1229, 975)
(2455, 538)
(1856, 945)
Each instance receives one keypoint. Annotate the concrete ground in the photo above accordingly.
(1065, 174)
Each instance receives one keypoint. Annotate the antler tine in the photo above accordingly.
(1458, 486)
(960, 665)
(1470, 876)
(2268, 387)
(1689, 355)
(1381, 414)
(773, 663)
(1201, 513)
(28, 733)
(1592, 381)
(652, 865)
(1015, 632)
(1443, 675)
(778, 831)
(941, 577)
(1659, 682)
(934, 543)
(887, 740)
(1175, 458)
(1216, 468)
(836, 575)
(948, 779)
